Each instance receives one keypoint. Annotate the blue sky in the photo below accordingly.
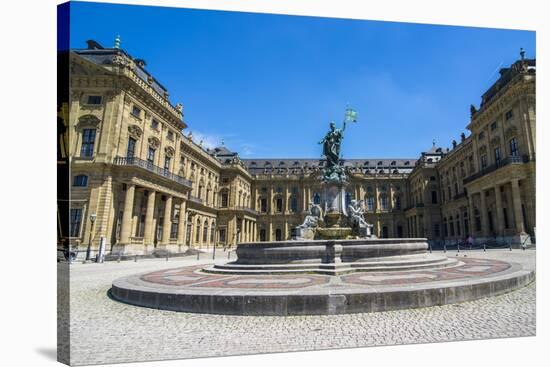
(268, 85)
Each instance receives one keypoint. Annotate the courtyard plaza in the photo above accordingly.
(129, 332)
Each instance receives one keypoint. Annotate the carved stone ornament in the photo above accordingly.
(88, 120)
(76, 95)
(169, 151)
(154, 142)
(135, 131)
(511, 131)
(483, 149)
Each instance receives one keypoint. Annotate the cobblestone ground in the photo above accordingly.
(124, 333)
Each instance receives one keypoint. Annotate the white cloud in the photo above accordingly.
(208, 141)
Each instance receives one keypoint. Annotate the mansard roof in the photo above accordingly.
(104, 56)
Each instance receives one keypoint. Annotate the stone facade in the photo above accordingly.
(141, 185)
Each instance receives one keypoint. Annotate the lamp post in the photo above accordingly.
(89, 249)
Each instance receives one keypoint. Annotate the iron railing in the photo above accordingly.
(137, 162)
(495, 166)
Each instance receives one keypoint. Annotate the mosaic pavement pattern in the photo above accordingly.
(193, 277)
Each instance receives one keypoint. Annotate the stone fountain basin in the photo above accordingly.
(327, 251)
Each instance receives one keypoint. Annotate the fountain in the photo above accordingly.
(334, 237)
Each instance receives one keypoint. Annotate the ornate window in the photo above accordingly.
(130, 153)
(80, 181)
(151, 155)
(88, 141)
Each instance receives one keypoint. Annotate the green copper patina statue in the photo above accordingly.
(333, 171)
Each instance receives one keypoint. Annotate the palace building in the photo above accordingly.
(139, 184)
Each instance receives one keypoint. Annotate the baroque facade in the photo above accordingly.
(140, 185)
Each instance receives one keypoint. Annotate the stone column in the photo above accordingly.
(518, 215)
(376, 198)
(167, 224)
(127, 214)
(254, 227)
(182, 224)
(150, 212)
(471, 216)
(499, 216)
(484, 222)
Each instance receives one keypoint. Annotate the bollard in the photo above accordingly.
(510, 245)
(228, 254)
(198, 255)
(430, 247)
(458, 247)
(135, 258)
(484, 247)
(444, 248)
(167, 256)
(119, 256)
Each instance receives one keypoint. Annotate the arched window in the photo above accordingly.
(80, 181)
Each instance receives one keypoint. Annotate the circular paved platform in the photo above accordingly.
(190, 289)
